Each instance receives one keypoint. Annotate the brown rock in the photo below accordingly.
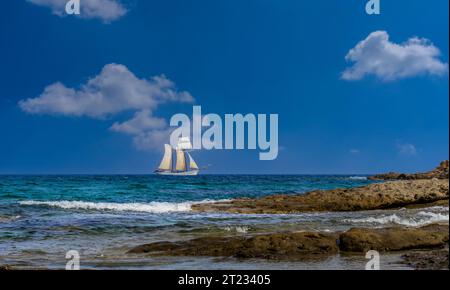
(304, 245)
(440, 172)
(427, 260)
(444, 202)
(374, 196)
(269, 246)
(394, 239)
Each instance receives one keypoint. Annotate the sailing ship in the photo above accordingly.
(185, 164)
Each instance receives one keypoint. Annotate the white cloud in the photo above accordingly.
(377, 55)
(106, 10)
(141, 122)
(148, 132)
(114, 90)
(407, 149)
(153, 139)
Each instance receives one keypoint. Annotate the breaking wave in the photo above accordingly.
(358, 178)
(151, 207)
(422, 218)
(237, 229)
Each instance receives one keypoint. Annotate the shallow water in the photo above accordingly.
(102, 217)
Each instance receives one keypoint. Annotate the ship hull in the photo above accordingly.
(185, 173)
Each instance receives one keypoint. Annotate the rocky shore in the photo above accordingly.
(426, 247)
(440, 172)
(306, 245)
(427, 260)
(386, 195)
(406, 190)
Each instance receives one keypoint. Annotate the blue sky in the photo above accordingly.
(248, 56)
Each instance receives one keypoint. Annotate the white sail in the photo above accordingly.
(181, 161)
(181, 166)
(192, 164)
(166, 163)
(184, 143)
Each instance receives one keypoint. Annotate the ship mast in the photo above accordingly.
(184, 163)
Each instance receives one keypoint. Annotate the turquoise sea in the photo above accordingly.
(102, 217)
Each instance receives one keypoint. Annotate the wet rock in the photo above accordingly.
(440, 172)
(443, 203)
(301, 245)
(304, 245)
(394, 239)
(428, 260)
(393, 194)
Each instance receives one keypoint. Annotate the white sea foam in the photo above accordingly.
(422, 218)
(151, 207)
(5, 219)
(238, 229)
(357, 178)
(436, 216)
(439, 208)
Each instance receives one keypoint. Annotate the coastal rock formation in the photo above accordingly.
(386, 195)
(427, 260)
(270, 246)
(440, 172)
(304, 245)
(394, 239)
(427, 247)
